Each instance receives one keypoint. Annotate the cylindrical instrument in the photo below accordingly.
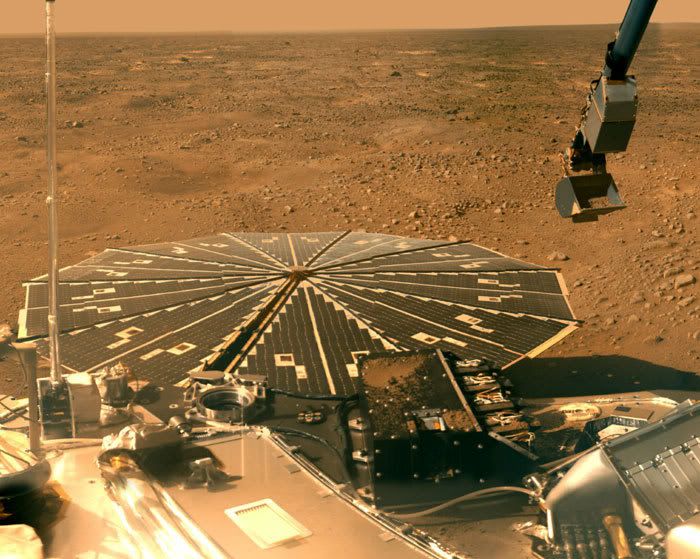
(620, 543)
(52, 198)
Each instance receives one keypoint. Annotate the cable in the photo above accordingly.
(15, 457)
(303, 434)
(313, 396)
(468, 497)
(14, 413)
(551, 467)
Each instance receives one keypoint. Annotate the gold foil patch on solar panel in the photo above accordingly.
(425, 338)
(454, 341)
(468, 319)
(284, 360)
(112, 273)
(150, 354)
(181, 348)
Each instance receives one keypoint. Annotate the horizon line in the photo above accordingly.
(303, 31)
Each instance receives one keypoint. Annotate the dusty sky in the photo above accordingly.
(26, 16)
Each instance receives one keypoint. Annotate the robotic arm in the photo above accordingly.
(588, 190)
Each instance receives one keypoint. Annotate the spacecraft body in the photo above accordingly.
(308, 394)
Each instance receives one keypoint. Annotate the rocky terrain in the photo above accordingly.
(451, 134)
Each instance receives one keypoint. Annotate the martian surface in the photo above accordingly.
(436, 134)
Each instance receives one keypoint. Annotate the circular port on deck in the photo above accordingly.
(225, 404)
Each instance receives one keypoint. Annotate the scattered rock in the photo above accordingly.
(5, 333)
(684, 280)
(637, 298)
(659, 243)
(447, 183)
(672, 271)
(654, 340)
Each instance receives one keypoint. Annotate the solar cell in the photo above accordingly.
(300, 308)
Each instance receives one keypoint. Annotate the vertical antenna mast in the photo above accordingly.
(52, 199)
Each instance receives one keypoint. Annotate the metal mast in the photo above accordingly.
(52, 199)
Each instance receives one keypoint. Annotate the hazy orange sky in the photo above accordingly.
(26, 16)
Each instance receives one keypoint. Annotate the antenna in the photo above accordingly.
(52, 199)
(57, 417)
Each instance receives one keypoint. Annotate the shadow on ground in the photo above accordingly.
(600, 374)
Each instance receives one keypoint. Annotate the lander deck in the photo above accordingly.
(300, 308)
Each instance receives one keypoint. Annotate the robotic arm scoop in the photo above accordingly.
(587, 190)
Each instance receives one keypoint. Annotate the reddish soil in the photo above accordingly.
(427, 134)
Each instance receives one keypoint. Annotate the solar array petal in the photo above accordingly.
(301, 308)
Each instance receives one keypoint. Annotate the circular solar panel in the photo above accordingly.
(300, 308)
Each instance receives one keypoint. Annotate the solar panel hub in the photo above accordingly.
(299, 273)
